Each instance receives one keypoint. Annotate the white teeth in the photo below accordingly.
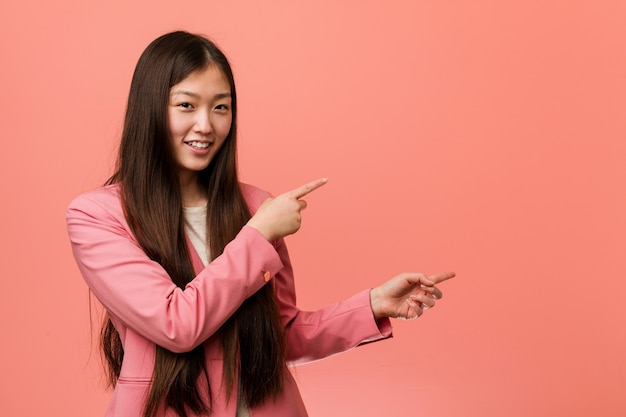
(199, 145)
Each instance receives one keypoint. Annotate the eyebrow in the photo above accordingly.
(195, 95)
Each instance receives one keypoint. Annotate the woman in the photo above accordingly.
(191, 265)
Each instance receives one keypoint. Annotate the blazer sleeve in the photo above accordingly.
(139, 292)
(313, 335)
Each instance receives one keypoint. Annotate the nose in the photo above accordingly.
(203, 123)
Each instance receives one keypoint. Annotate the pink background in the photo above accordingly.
(485, 137)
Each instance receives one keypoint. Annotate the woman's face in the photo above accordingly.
(199, 115)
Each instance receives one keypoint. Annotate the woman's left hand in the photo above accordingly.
(407, 295)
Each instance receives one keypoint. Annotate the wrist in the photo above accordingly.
(259, 229)
(375, 303)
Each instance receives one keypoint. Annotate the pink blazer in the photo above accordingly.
(148, 309)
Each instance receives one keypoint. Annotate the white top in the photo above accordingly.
(195, 226)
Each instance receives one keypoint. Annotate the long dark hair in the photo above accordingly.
(252, 338)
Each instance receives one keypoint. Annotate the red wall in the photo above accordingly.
(485, 137)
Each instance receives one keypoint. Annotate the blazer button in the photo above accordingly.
(266, 276)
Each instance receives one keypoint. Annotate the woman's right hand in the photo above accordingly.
(280, 216)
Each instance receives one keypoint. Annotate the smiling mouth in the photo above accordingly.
(198, 145)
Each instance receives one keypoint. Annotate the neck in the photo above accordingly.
(191, 193)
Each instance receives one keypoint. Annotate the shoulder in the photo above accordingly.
(253, 195)
(101, 201)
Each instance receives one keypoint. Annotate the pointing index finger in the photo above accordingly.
(437, 278)
(306, 188)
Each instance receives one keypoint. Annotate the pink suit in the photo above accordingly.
(148, 309)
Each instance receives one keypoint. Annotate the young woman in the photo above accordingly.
(191, 266)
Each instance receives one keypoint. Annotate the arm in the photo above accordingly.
(360, 319)
(313, 335)
(139, 292)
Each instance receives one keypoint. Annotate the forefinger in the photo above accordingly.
(306, 188)
(437, 278)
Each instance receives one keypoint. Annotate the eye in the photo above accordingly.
(222, 107)
(185, 105)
